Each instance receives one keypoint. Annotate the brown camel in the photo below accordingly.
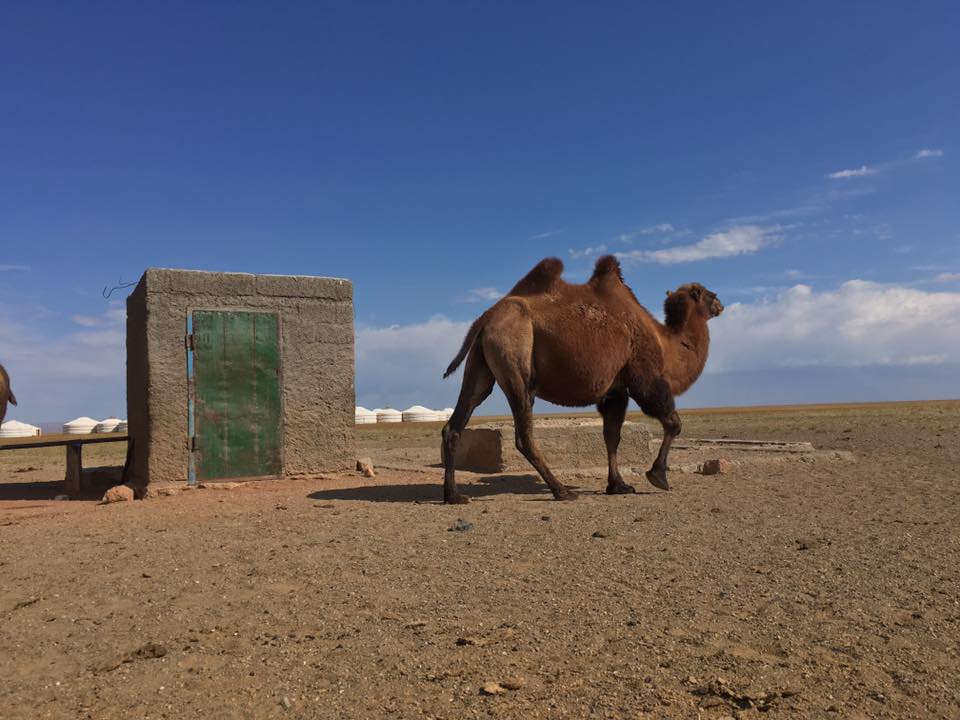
(6, 394)
(579, 345)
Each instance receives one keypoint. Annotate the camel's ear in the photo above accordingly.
(695, 294)
(668, 293)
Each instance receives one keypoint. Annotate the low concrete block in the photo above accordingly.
(564, 442)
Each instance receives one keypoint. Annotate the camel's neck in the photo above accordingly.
(686, 344)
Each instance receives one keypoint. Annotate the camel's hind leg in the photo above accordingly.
(656, 400)
(508, 347)
(613, 408)
(476, 387)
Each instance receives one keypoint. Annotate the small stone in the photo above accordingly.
(164, 491)
(460, 525)
(513, 683)
(219, 485)
(120, 493)
(492, 688)
(147, 651)
(599, 534)
(365, 467)
(545, 518)
(285, 701)
(718, 466)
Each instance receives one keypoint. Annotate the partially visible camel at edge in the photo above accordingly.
(579, 345)
(6, 394)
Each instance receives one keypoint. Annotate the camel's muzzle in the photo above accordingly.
(716, 307)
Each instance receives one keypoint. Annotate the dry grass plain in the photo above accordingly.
(793, 587)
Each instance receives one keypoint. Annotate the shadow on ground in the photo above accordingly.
(92, 489)
(487, 486)
(433, 492)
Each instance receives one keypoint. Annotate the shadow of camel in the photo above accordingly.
(486, 486)
(433, 492)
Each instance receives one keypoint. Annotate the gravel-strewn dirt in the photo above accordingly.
(792, 587)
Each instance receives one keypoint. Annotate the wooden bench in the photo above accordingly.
(74, 445)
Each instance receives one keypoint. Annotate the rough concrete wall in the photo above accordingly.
(317, 361)
(565, 443)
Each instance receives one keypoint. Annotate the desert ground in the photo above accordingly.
(811, 585)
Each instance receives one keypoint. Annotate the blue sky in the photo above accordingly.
(802, 163)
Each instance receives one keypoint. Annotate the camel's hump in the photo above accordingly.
(606, 266)
(541, 279)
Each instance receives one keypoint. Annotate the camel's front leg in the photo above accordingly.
(657, 474)
(656, 400)
(613, 408)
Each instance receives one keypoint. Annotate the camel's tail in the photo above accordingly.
(472, 334)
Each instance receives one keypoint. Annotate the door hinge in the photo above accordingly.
(188, 342)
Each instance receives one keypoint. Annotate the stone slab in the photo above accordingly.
(565, 443)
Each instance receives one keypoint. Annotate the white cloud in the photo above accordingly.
(654, 229)
(402, 365)
(741, 240)
(545, 235)
(928, 153)
(14, 268)
(859, 324)
(59, 375)
(945, 277)
(858, 172)
(658, 229)
(482, 294)
(587, 252)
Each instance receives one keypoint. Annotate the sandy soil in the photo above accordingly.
(793, 587)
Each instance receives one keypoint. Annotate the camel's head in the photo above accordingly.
(704, 301)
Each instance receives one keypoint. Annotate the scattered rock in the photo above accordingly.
(717, 692)
(599, 534)
(463, 641)
(155, 491)
(285, 702)
(416, 624)
(811, 543)
(118, 493)
(146, 652)
(514, 683)
(365, 467)
(493, 688)
(545, 518)
(719, 466)
(219, 485)
(460, 525)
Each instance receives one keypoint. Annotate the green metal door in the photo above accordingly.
(235, 395)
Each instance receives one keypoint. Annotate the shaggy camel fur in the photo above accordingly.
(579, 345)
(6, 394)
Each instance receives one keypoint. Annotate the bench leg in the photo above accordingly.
(74, 469)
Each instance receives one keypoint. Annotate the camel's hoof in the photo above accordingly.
(620, 488)
(457, 500)
(658, 479)
(568, 495)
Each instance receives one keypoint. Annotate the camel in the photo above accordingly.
(580, 345)
(6, 394)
